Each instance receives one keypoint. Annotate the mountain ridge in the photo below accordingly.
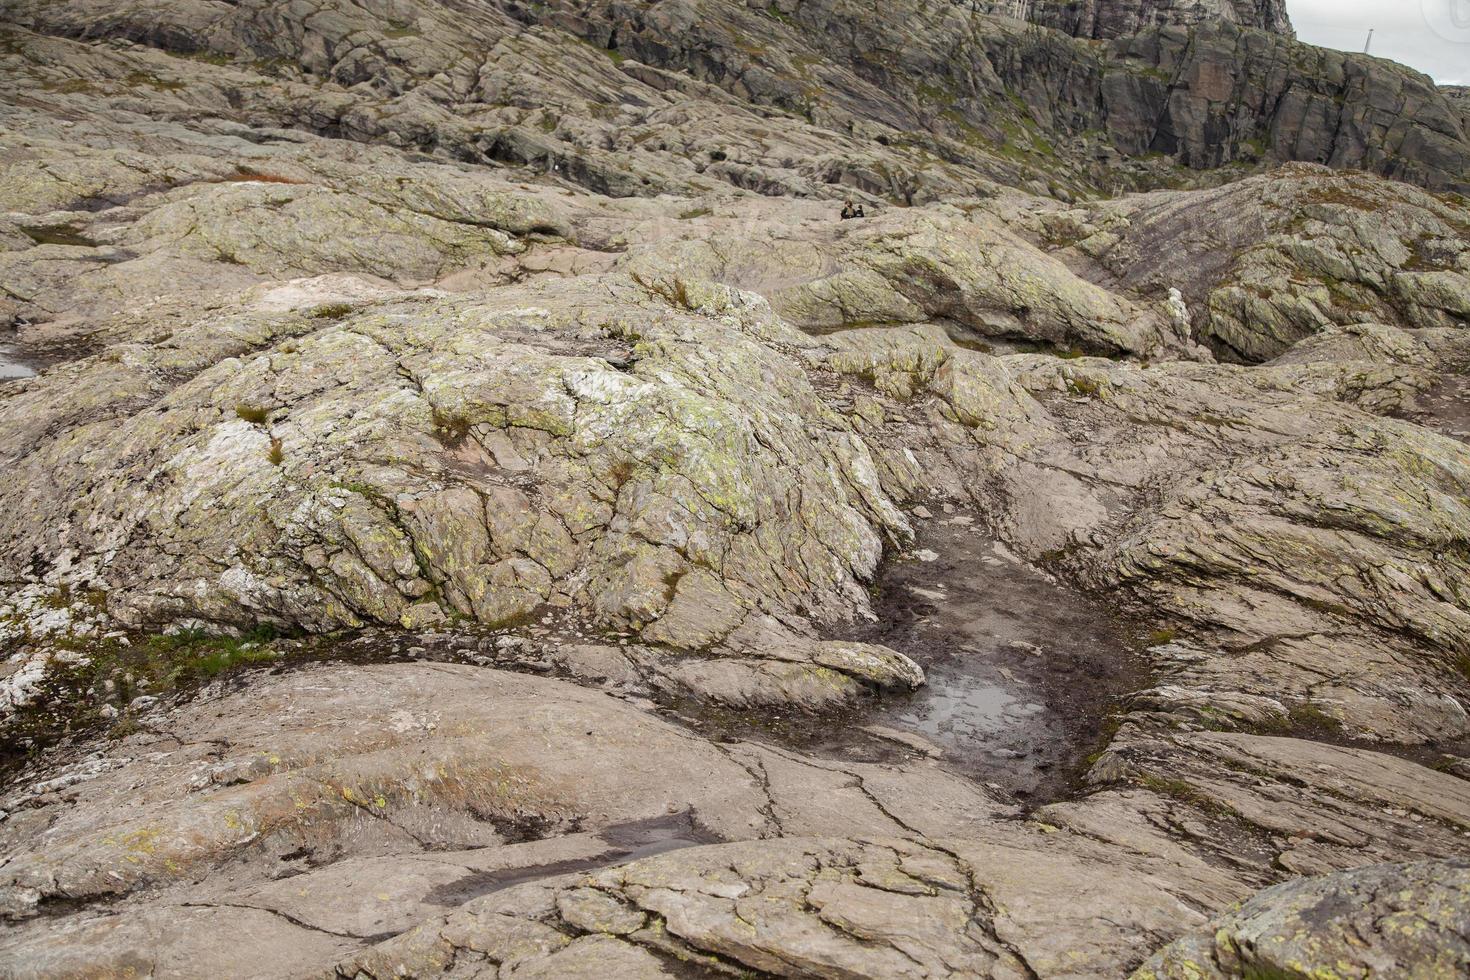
(1205, 97)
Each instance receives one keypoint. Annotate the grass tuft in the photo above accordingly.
(1085, 386)
(451, 430)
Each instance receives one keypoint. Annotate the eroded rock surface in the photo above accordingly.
(448, 491)
(1406, 920)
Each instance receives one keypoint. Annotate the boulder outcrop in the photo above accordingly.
(471, 508)
(1408, 920)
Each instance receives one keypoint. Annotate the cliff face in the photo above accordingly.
(1208, 96)
(1114, 18)
(1023, 103)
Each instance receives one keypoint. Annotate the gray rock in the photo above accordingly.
(1390, 920)
(1112, 18)
(530, 333)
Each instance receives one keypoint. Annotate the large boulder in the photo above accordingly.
(1264, 262)
(1405, 920)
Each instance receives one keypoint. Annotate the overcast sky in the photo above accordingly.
(1430, 35)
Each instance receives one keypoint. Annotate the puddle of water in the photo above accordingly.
(961, 709)
(12, 365)
(1022, 670)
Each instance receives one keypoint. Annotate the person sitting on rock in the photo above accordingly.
(858, 212)
(848, 211)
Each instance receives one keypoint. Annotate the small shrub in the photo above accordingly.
(1159, 637)
(1085, 386)
(276, 455)
(693, 213)
(253, 414)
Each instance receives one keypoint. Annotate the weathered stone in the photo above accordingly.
(511, 341)
(1395, 920)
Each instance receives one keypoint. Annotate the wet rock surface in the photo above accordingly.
(1022, 674)
(471, 509)
(13, 364)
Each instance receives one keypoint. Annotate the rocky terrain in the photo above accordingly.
(471, 509)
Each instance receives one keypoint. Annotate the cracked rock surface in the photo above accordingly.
(470, 509)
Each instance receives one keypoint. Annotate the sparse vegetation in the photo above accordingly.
(1312, 718)
(253, 414)
(99, 679)
(1342, 193)
(777, 13)
(620, 472)
(1461, 664)
(277, 456)
(211, 57)
(1188, 793)
(138, 78)
(72, 86)
(1088, 387)
(1161, 636)
(331, 311)
(450, 429)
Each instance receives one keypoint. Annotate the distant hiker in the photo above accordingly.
(848, 211)
(859, 212)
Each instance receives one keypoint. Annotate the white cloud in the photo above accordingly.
(1430, 35)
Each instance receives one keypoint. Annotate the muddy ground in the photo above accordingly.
(1024, 672)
